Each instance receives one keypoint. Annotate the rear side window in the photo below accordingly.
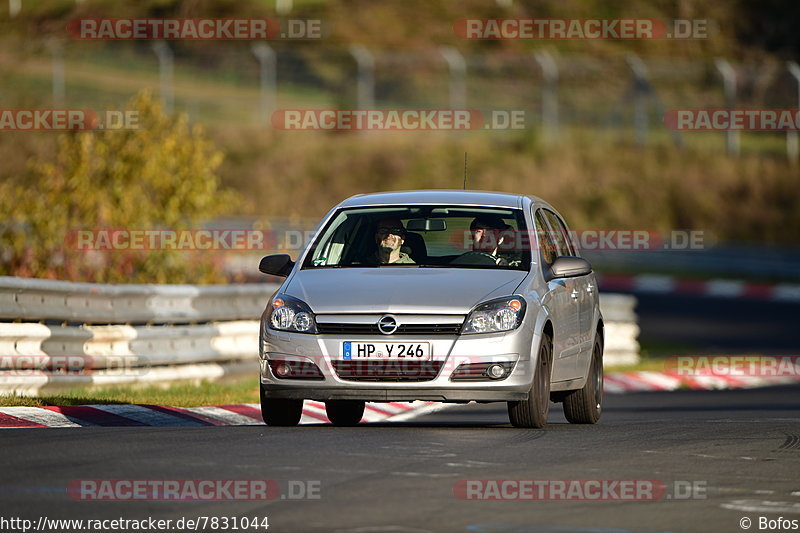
(560, 234)
(545, 238)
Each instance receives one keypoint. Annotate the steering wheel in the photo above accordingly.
(474, 257)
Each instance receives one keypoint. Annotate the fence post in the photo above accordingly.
(283, 7)
(458, 76)
(729, 80)
(641, 90)
(549, 95)
(792, 149)
(366, 76)
(57, 52)
(268, 79)
(164, 54)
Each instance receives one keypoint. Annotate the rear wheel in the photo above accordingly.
(279, 411)
(344, 412)
(584, 406)
(532, 413)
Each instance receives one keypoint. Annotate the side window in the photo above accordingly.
(545, 238)
(560, 235)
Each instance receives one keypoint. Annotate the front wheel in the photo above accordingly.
(344, 412)
(584, 406)
(279, 411)
(532, 413)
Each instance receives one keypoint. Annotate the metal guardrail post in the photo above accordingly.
(366, 76)
(549, 95)
(165, 66)
(57, 51)
(792, 148)
(458, 76)
(268, 79)
(729, 80)
(641, 91)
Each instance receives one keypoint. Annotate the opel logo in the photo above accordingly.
(387, 325)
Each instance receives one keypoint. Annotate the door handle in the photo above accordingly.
(589, 288)
(574, 294)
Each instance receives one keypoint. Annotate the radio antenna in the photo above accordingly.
(465, 171)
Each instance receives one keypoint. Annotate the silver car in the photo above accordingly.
(446, 296)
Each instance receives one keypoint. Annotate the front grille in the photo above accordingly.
(336, 328)
(393, 370)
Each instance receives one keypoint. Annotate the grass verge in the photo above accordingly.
(180, 395)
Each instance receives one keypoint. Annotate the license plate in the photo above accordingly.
(407, 351)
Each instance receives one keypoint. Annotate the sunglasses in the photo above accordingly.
(393, 231)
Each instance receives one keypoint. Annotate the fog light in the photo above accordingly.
(295, 369)
(282, 370)
(496, 371)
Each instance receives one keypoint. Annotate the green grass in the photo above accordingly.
(645, 364)
(180, 395)
(655, 356)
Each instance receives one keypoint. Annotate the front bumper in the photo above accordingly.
(449, 351)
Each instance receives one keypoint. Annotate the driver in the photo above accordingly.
(390, 236)
(487, 235)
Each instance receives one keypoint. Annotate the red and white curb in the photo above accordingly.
(622, 382)
(720, 288)
(249, 414)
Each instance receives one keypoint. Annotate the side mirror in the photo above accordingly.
(276, 265)
(570, 267)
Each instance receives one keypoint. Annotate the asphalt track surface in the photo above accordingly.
(739, 448)
(735, 446)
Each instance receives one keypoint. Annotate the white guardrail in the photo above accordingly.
(56, 335)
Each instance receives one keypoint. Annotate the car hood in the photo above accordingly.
(400, 289)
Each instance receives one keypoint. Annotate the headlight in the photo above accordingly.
(503, 314)
(290, 314)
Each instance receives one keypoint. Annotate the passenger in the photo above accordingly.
(390, 236)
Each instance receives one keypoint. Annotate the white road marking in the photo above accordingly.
(654, 283)
(145, 415)
(229, 417)
(420, 411)
(786, 292)
(725, 288)
(43, 416)
(763, 506)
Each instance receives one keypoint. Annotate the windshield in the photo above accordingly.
(422, 236)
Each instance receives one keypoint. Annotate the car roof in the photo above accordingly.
(443, 197)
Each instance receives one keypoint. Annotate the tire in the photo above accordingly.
(279, 411)
(584, 406)
(344, 412)
(532, 413)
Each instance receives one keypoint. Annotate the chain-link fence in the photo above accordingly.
(623, 96)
